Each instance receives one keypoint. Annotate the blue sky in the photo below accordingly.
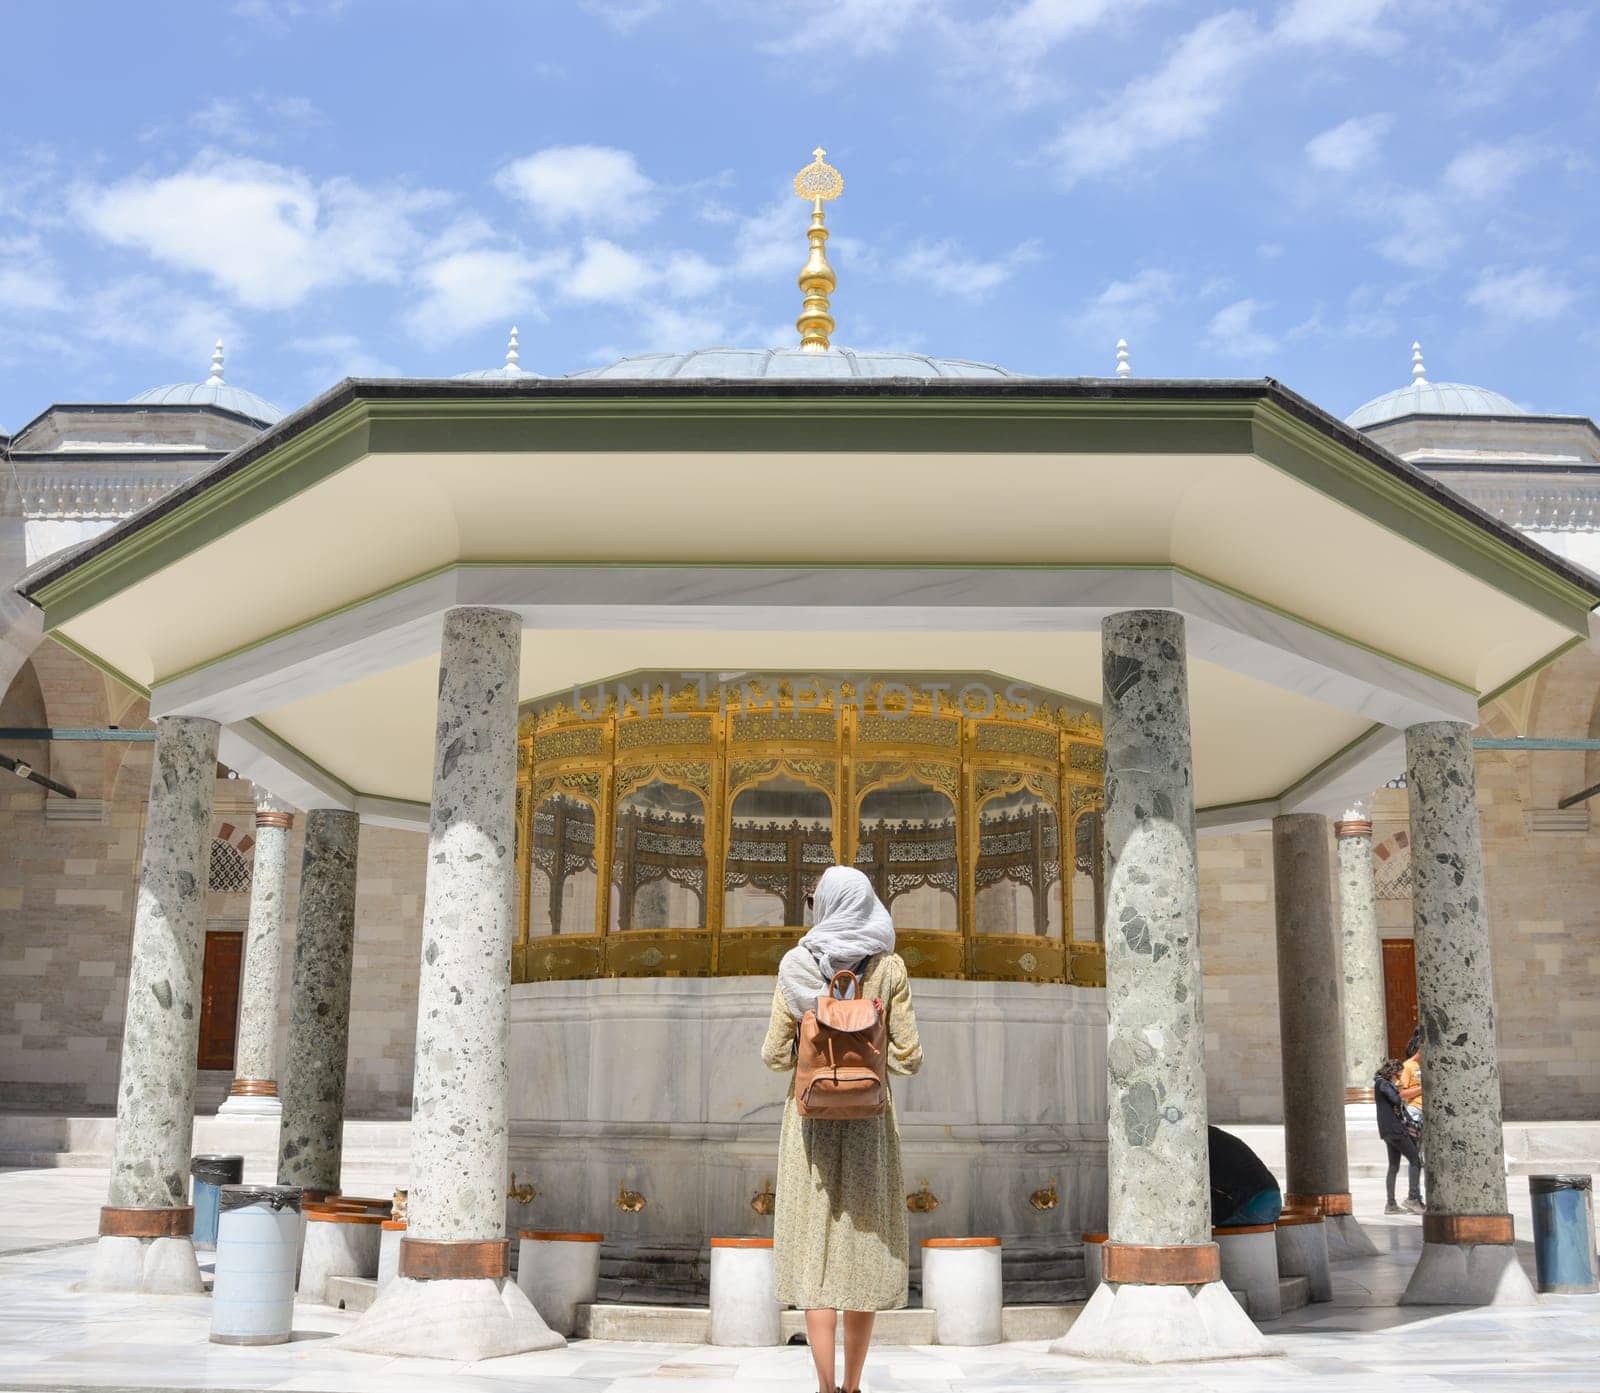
(1294, 189)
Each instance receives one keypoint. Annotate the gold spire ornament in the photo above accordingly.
(819, 182)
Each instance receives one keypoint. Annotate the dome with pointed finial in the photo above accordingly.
(212, 392)
(1424, 398)
(508, 371)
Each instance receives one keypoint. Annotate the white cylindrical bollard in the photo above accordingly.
(559, 1272)
(258, 1230)
(1093, 1253)
(337, 1245)
(393, 1230)
(1302, 1242)
(961, 1286)
(744, 1293)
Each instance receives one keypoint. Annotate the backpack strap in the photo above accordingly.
(855, 983)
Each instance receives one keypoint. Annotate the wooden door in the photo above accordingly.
(1399, 992)
(219, 998)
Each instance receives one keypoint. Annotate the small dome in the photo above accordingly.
(1433, 399)
(509, 371)
(212, 392)
(780, 363)
(1424, 398)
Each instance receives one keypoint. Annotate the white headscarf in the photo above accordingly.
(849, 924)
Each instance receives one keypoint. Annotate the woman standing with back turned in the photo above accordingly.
(839, 1228)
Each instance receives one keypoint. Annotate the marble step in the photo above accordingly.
(1294, 1293)
(351, 1293)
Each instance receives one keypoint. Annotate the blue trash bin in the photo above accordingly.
(210, 1174)
(1563, 1233)
(258, 1243)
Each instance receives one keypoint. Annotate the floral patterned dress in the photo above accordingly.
(839, 1227)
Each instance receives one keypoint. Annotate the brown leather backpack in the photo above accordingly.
(840, 1067)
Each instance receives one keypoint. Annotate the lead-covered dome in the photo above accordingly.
(1424, 398)
(782, 363)
(212, 392)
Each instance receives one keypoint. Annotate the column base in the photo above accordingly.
(1163, 1325)
(164, 1266)
(455, 1318)
(1347, 1239)
(251, 1105)
(1469, 1274)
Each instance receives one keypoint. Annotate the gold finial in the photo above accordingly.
(819, 182)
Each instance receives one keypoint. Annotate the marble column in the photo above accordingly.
(1365, 1026)
(453, 1298)
(311, 1133)
(254, 1092)
(146, 1229)
(1467, 1253)
(1310, 1035)
(1162, 1298)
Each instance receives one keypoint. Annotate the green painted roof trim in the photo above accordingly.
(1260, 419)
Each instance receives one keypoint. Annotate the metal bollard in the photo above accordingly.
(1563, 1233)
(258, 1232)
(210, 1174)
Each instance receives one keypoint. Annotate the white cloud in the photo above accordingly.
(469, 289)
(1515, 57)
(1521, 297)
(264, 234)
(609, 274)
(335, 356)
(596, 185)
(251, 122)
(943, 267)
(1425, 230)
(148, 316)
(1352, 23)
(1175, 103)
(1487, 171)
(863, 28)
(1349, 145)
(278, 15)
(1127, 308)
(1234, 333)
(622, 15)
(29, 282)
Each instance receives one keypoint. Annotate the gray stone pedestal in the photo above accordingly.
(1162, 1298)
(254, 1092)
(311, 1134)
(1468, 1256)
(453, 1298)
(146, 1228)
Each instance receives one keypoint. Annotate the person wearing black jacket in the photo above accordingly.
(1398, 1139)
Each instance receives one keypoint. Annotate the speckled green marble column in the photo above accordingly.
(1365, 1029)
(255, 1057)
(146, 1228)
(453, 1299)
(1467, 1256)
(311, 1132)
(1168, 1303)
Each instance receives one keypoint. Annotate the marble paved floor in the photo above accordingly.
(53, 1338)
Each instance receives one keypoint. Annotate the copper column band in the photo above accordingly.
(1468, 1228)
(433, 1259)
(1172, 1265)
(271, 818)
(1352, 827)
(1329, 1206)
(253, 1088)
(176, 1222)
(1360, 1095)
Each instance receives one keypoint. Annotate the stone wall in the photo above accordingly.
(68, 869)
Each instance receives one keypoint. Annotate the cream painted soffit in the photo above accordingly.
(404, 625)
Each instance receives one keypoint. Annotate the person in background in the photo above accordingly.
(1394, 1129)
